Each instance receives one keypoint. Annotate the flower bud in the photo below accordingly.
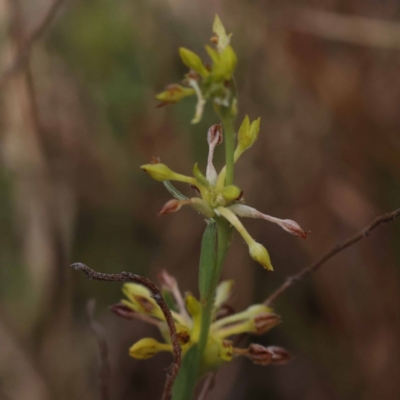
(172, 206)
(214, 135)
(260, 254)
(160, 172)
(260, 355)
(265, 321)
(247, 135)
(231, 193)
(147, 347)
(293, 227)
(123, 311)
(140, 300)
(174, 93)
(279, 355)
(257, 309)
(193, 61)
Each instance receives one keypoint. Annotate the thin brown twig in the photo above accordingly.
(291, 280)
(157, 296)
(23, 55)
(99, 333)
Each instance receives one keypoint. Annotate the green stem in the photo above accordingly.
(213, 272)
(229, 137)
(215, 244)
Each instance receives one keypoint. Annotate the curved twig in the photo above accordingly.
(291, 280)
(157, 296)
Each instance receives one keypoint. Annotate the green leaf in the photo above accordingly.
(189, 372)
(207, 260)
(186, 380)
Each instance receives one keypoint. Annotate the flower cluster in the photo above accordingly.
(213, 82)
(216, 199)
(186, 311)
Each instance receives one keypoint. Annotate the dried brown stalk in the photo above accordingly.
(157, 296)
(99, 333)
(291, 280)
(23, 55)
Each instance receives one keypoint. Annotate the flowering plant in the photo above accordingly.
(205, 335)
(204, 331)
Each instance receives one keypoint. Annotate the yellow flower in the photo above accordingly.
(257, 319)
(220, 200)
(207, 83)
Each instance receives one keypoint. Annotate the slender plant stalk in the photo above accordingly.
(229, 137)
(215, 245)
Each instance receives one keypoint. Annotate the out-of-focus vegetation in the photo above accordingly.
(79, 120)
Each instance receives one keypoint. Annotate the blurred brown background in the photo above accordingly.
(79, 118)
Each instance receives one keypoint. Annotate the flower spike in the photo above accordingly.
(209, 83)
